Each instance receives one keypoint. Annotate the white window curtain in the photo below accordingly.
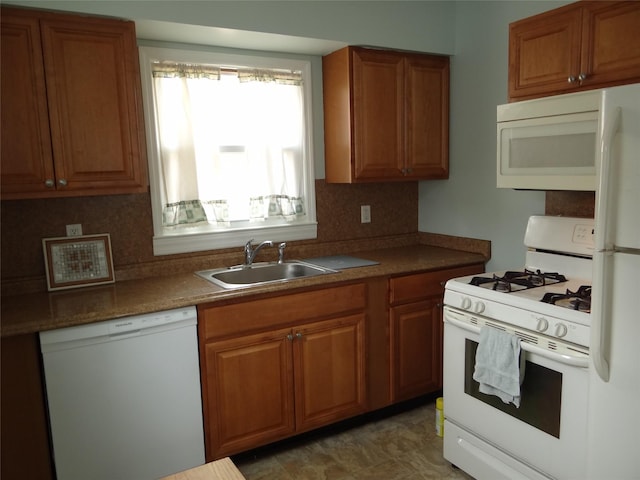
(230, 144)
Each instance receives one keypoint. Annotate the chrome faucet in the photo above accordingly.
(250, 252)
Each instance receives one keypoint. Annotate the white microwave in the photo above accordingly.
(549, 143)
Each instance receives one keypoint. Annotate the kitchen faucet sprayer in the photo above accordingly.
(250, 252)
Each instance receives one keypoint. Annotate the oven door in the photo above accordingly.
(544, 438)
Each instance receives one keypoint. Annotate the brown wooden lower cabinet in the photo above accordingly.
(329, 371)
(294, 363)
(275, 367)
(25, 432)
(415, 349)
(415, 329)
(250, 390)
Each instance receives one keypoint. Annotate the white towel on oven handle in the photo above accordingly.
(499, 365)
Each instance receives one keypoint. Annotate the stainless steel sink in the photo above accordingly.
(261, 273)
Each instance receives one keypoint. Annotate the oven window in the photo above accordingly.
(541, 394)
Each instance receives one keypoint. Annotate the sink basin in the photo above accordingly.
(261, 273)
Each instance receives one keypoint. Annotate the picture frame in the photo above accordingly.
(80, 261)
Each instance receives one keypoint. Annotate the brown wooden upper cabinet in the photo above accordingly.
(581, 46)
(71, 106)
(386, 116)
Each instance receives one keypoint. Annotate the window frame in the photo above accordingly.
(166, 242)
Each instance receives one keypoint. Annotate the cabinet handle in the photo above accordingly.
(49, 183)
(582, 77)
(290, 337)
(62, 182)
(299, 336)
(571, 79)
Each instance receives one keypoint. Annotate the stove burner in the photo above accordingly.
(580, 300)
(513, 281)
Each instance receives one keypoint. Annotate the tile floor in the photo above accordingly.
(396, 444)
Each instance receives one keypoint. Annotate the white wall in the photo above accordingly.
(413, 25)
(469, 204)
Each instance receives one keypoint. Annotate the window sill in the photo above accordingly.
(172, 244)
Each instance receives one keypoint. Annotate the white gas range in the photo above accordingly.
(546, 305)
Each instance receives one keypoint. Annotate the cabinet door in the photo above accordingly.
(93, 90)
(427, 116)
(248, 392)
(378, 114)
(580, 46)
(544, 52)
(610, 43)
(27, 161)
(25, 451)
(329, 366)
(416, 358)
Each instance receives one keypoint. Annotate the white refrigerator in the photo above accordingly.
(614, 375)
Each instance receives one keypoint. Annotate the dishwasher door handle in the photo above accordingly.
(125, 334)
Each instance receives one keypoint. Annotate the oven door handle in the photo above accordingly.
(576, 361)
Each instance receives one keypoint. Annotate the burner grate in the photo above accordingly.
(513, 281)
(579, 300)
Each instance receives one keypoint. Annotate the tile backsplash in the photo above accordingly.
(570, 204)
(394, 221)
(394, 212)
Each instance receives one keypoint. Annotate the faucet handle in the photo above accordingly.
(281, 248)
(248, 251)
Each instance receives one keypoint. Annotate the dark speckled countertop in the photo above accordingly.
(35, 312)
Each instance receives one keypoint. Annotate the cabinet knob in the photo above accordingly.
(49, 183)
(571, 79)
(298, 335)
(62, 182)
(582, 76)
(290, 337)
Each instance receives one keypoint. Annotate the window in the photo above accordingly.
(230, 152)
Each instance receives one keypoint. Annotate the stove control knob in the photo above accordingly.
(479, 308)
(542, 325)
(466, 303)
(561, 330)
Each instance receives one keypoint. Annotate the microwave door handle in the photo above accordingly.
(611, 122)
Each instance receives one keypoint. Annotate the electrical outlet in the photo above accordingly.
(74, 230)
(365, 214)
(583, 234)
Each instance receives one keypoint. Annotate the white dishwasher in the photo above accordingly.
(124, 397)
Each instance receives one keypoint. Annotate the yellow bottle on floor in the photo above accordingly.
(440, 417)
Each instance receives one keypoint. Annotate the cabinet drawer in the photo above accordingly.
(427, 284)
(279, 311)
